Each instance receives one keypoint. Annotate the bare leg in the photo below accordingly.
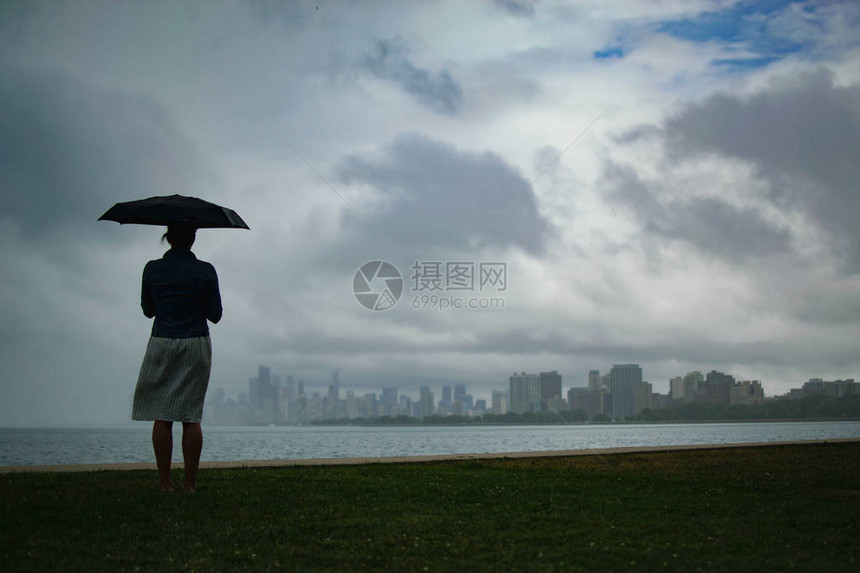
(162, 443)
(192, 445)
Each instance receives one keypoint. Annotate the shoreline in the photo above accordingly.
(139, 425)
(80, 468)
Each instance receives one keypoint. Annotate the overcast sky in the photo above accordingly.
(669, 183)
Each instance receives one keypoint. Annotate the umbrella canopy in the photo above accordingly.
(173, 209)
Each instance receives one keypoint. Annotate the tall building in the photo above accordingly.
(500, 402)
(625, 385)
(835, 388)
(388, 400)
(447, 396)
(525, 393)
(334, 388)
(290, 392)
(594, 380)
(717, 388)
(404, 407)
(693, 384)
(425, 406)
(676, 388)
(262, 394)
(367, 406)
(644, 392)
(550, 390)
(591, 401)
(747, 392)
(445, 407)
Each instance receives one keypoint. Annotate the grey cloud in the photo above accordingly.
(517, 7)
(643, 132)
(712, 225)
(802, 134)
(436, 90)
(69, 149)
(603, 349)
(437, 196)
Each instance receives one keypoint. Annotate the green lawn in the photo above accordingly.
(770, 509)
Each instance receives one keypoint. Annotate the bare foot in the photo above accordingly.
(167, 487)
(190, 488)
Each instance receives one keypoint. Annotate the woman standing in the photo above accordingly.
(181, 292)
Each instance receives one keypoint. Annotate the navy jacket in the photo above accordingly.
(181, 292)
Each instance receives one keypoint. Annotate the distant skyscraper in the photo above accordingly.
(388, 400)
(525, 393)
(747, 392)
(625, 381)
(500, 402)
(718, 388)
(642, 399)
(425, 406)
(404, 407)
(550, 389)
(260, 388)
(591, 401)
(594, 380)
(446, 393)
(334, 389)
(676, 388)
(459, 392)
(264, 396)
(290, 389)
(694, 382)
(446, 404)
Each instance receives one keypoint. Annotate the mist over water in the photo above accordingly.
(20, 447)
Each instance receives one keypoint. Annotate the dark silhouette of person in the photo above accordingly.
(181, 292)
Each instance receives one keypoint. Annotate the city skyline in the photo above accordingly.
(621, 393)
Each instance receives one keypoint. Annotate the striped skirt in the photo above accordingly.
(173, 379)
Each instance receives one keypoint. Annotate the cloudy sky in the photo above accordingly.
(669, 183)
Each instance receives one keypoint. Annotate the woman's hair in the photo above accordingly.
(180, 235)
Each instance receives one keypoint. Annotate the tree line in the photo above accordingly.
(808, 407)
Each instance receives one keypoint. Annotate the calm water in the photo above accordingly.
(88, 446)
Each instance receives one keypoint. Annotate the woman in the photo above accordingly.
(181, 293)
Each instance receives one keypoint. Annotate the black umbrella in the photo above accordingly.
(173, 209)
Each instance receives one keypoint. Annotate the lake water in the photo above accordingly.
(132, 444)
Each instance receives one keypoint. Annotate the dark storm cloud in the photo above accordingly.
(802, 134)
(435, 195)
(69, 149)
(436, 90)
(711, 225)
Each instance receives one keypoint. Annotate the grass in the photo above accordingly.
(776, 508)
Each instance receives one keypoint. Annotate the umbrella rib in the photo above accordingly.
(323, 179)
